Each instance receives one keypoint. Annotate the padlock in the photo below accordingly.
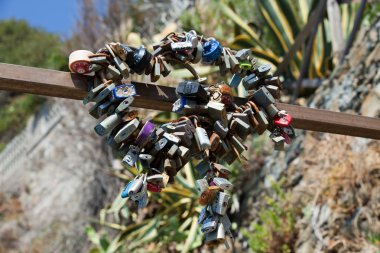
(165, 67)
(129, 116)
(234, 62)
(215, 141)
(226, 59)
(181, 46)
(284, 119)
(143, 201)
(201, 185)
(263, 70)
(211, 50)
(183, 153)
(209, 224)
(220, 129)
(144, 135)
(251, 82)
(272, 111)
(95, 67)
(243, 54)
(172, 151)
(179, 104)
(192, 107)
(226, 222)
(123, 91)
(125, 132)
(104, 93)
(185, 138)
(197, 53)
(104, 108)
(112, 73)
(122, 67)
(156, 71)
(279, 143)
(242, 128)
(95, 91)
(220, 203)
(169, 167)
(159, 146)
(209, 195)
(193, 90)
(145, 160)
(251, 118)
(124, 105)
(201, 137)
(262, 97)
(157, 179)
(203, 167)
(107, 125)
(160, 132)
(202, 215)
(136, 186)
(79, 61)
(263, 122)
(229, 157)
(237, 144)
(153, 187)
(140, 60)
(217, 111)
(222, 170)
(123, 150)
(235, 80)
(216, 236)
(172, 138)
(125, 191)
(99, 60)
(223, 183)
(132, 156)
(142, 192)
(274, 90)
(275, 81)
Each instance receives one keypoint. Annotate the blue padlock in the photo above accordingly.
(211, 50)
(179, 104)
(123, 91)
(235, 80)
(124, 193)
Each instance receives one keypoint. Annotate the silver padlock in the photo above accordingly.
(127, 130)
(263, 97)
(104, 93)
(243, 54)
(143, 190)
(221, 169)
(275, 81)
(183, 153)
(237, 144)
(217, 235)
(202, 138)
(209, 224)
(274, 90)
(107, 125)
(220, 204)
(217, 111)
(172, 138)
(226, 222)
(221, 129)
(181, 46)
(272, 110)
(262, 120)
(160, 144)
(242, 128)
(201, 185)
(132, 156)
(251, 82)
(145, 160)
(279, 143)
(112, 72)
(202, 215)
(263, 70)
(124, 105)
(94, 92)
(172, 151)
(223, 183)
(136, 186)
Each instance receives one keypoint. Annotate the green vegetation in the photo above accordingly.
(274, 231)
(24, 45)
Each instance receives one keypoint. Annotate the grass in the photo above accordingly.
(15, 114)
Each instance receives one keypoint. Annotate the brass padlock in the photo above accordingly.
(208, 196)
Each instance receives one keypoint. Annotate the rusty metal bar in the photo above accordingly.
(62, 84)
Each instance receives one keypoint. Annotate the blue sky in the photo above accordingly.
(57, 16)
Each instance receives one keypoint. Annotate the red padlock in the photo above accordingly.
(284, 120)
(153, 187)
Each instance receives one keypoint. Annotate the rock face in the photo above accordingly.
(334, 178)
(58, 186)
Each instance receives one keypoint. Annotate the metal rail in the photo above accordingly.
(150, 96)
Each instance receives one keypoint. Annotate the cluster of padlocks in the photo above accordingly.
(211, 127)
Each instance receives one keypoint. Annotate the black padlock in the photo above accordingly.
(141, 59)
(193, 90)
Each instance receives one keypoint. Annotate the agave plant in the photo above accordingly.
(270, 27)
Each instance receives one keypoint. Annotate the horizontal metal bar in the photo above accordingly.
(150, 96)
